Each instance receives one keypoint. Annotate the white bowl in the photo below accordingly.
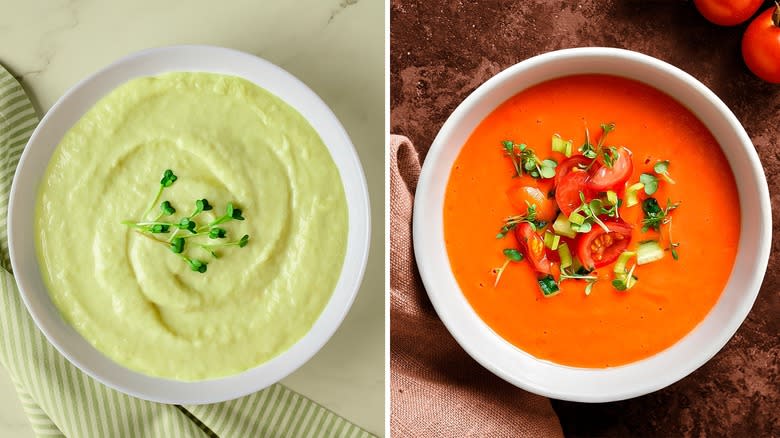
(581, 384)
(69, 109)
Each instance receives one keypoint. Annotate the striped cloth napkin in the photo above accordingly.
(60, 400)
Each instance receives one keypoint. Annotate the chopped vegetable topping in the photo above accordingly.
(632, 193)
(649, 252)
(559, 145)
(548, 286)
(654, 215)
(563, 227)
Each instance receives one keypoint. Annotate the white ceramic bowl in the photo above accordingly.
(69, 109)
(581, 384)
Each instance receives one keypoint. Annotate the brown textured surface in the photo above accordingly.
(442, 50)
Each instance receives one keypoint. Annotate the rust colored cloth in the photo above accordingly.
(436, 389)
(441, 50)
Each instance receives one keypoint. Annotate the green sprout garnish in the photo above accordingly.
(177, 244)
(588, 213)
(512, 255)
(582, 274)
(650, 182)
(524, 158)
(662, 168)
(610, 155)
(513, 221)
(655, 216)
(591, 151)
(166, 181)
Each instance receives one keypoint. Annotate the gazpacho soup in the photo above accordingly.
(591, 221)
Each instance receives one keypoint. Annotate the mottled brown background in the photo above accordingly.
(442, 50)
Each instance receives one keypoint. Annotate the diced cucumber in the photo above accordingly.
(548, 286)
(649, 252)
(561, 145)
(551, 240)
(565, 255)
(612, 197)
(622, 261)
(576, 218)
(562, 226)
(632, 194)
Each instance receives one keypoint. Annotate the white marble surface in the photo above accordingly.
(334, 46)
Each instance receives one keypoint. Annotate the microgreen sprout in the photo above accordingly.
(524, 159)
(589, 277)
(592, 152)
(650, 182)
(513, 221)
(672, 244)
(610, 155)
(627, 281)
(591, 211)
(662, 168)
(655, 216)
(512, 255)
(177, 244)
(167, 180)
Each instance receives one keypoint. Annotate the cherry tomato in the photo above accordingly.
(567, 193)
(761, 45)
(727, 12)
(533, 247)
(606, 177)
(521, 196)
(598, 248)
(568, 164)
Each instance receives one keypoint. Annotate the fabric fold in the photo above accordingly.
(436, 389)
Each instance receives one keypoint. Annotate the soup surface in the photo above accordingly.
(668, 297)
(128, 289)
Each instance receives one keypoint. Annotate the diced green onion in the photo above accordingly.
(565, 255)
(612, 197)
(576, 218)
(649, 252)
(551, 240)
(622, 261)
(561, 145)
(548, 286)
(632, 194)
(562, 226)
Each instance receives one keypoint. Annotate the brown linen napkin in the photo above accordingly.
(436, 389)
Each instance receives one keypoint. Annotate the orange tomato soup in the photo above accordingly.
(608, 327)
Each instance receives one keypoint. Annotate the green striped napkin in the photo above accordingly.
(60, 400)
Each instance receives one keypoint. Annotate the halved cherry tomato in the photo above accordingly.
(521, 196)
(568, 164)
(761, 45)
(727, 12)
(606, 177)
(567, 193)
(598, 248)
(533, 247)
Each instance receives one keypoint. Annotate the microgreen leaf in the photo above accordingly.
(662, 168)
(512, 221)
(547, 168)
(654, 215)
(513, 255)
(159, 228)
(166, 208)
(168, 178)
(650, 182)
(177, 245)
(197, 265)
(217, 233)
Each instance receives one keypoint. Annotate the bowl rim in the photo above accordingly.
(491, 350)
(212, 59)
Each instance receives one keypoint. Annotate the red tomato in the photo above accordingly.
(606, 177)
(598, 248)
(533, 247)
(521, 196)
(567, 165)
(567, 193)
(727, 12)
(761, 45)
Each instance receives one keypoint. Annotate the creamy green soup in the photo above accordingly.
(227, 140)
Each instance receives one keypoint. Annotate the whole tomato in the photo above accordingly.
(727, 12)
(761, 45)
